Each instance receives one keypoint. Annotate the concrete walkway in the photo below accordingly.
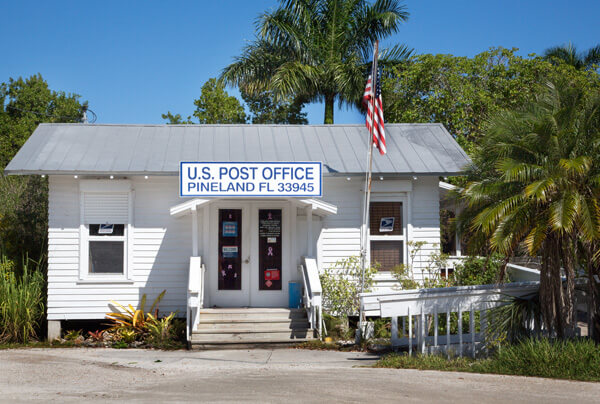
(258, 375)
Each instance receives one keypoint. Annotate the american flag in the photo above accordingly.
(372, 101)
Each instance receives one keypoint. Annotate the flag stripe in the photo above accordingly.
(374, 121)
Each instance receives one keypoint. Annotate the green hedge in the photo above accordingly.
(571, 359)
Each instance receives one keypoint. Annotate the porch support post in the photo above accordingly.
(194, 231)
(457, 243)
(309, 231)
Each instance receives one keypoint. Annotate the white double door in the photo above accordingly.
(242, 270)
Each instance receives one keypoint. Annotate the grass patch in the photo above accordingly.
(37, 344)
(424, 362)
(319, 345)
(571, 360)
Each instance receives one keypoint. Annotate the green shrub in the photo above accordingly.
(341, 285)
(479, 271)
(162, 332)
(21, 302)
(424, 362)
(337, 327)
(561, 359)
(430, 273)
(382, 328)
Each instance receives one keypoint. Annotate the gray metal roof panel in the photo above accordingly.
(425, 149)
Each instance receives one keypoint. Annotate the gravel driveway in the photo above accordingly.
(257, 375)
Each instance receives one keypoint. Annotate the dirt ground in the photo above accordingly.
(257, 375)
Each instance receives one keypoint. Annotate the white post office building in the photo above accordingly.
(138, 209)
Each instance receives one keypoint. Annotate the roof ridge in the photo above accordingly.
(161, 125)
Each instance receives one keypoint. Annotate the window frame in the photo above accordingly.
(402, 198)
(110, 187)
(108, 238)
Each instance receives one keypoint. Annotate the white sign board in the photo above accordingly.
(256, 179)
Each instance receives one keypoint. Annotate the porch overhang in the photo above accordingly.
(318, 207)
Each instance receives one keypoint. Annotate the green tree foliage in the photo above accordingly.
(215, 106)
(317, 50)
(176, 119)
(265, 109)
(462, 93)
(536, 182)
(568, 54)
(24, 104)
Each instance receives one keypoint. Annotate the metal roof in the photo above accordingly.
(85, 149)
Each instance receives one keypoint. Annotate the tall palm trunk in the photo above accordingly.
(568, 260)
(329, 98)
(593, 272)
(553, 300)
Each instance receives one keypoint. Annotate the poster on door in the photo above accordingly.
(269, 244)
(230, 249)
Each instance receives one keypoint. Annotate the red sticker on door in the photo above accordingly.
(272, 274)
(268, 283)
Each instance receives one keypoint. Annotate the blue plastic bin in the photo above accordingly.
(295, 295)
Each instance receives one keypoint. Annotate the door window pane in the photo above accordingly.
(269, 245)
(106, 257)
(230, 249)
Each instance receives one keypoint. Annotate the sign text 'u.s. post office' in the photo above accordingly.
(261, 179)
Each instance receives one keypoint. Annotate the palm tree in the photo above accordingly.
(568, 54)
(318, 50)
(536, 181)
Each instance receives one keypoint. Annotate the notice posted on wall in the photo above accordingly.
(259, 179)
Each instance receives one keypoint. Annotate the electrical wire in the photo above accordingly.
(78, 118)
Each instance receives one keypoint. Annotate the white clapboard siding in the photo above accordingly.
(340, 235)
(161, 244)
(425, 221)
(160, 257)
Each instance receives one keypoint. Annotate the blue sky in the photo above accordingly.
(133, 60)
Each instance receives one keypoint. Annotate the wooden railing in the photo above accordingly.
(312, 293)
(195, 294)
(418, 312)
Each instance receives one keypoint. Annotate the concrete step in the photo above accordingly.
(247, 344)
(253, 314)
(253, 325)
(222, 328)
(249, 337)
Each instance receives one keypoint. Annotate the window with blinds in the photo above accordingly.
(105, 219)
(386, 234)
(106, 207)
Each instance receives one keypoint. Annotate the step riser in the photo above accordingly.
(253, 326)
(217, 318)
(223, 338)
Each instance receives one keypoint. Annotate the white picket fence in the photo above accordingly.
(415, 314)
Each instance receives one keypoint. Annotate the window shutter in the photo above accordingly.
(100, 208)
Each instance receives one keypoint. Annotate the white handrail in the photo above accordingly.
(312, 293)
(418, 308)
(195, 294)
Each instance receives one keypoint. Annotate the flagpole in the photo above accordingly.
(367, 202)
